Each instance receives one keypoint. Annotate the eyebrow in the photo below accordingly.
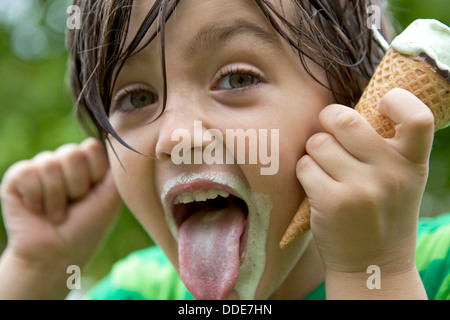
(215, 37)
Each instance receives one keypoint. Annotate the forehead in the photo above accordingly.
(193, 15)
(201, 9)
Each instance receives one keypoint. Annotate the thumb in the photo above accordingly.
(414, 124)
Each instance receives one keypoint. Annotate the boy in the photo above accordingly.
(145, 70)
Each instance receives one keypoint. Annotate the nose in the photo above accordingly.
(180, 131)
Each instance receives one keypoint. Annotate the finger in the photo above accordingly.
(314, 180)
(99, 208)
(22, 179)
(75, 170)
(353, 132)
(328, 153)
(52, 184)
(414, 124)
(97, 159)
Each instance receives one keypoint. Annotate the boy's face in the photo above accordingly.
(227, 69)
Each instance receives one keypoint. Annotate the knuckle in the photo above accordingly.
(18, 168)
(72, 155)
(51, 167)
(94, 150)
(67, 149)
(319, 141)
(93, 145)
(389, 184)
(422, 121)
(359, 199)
(47, 162)
(303, 163)
(43, 157)
(395, 183)
(347, 119)
(374, 193)
(20, 171)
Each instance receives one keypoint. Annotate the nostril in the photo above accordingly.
(162, 154)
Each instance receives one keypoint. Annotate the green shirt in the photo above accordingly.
(148, 274)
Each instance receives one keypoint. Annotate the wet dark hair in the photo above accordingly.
(333, 34)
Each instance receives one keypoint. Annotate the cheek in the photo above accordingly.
(286, 193)
(132, 171)
(134, 177)
(296, 124)
(295, 130)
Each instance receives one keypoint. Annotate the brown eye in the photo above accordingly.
(134, 99)
(240, 80)
(142, 98)
(237, 78)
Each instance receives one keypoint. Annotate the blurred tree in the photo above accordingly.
(406, 11)
(36, 106)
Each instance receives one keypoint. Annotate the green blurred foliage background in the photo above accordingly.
(36, 107)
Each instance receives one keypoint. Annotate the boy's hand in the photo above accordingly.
(57, 206)
(365, 191)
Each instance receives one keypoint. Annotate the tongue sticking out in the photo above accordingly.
(209, 251)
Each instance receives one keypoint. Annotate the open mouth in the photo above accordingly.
(188, 203)
(208, 201)
(211, 223)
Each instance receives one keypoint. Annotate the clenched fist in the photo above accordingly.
(56, 208)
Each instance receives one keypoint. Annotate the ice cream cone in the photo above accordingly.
(396, 70)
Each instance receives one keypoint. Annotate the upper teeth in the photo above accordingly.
(200, 195)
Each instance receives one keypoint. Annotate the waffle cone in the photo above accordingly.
(394, 71)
